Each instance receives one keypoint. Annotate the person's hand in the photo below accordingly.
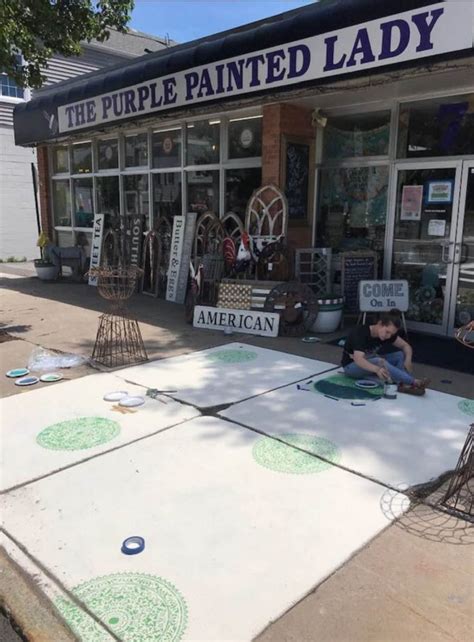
(408, 365)
(382, 373)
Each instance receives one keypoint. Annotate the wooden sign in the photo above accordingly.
(136, 240)
(177, 241)
(264, 324)
(380, 296)
(186, 256)
(96, 249)
(356, 267)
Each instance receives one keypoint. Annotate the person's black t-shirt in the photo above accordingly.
(361, 340)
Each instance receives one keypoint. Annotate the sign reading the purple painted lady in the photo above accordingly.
(427, 31)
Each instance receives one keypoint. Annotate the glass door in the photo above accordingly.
(426, 197)
(462, 291)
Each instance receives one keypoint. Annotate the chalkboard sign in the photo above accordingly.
(297, 180)
(355, 267)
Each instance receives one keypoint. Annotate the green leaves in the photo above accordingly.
(37, 29)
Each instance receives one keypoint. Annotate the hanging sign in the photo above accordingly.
(264, 324)
(96, 248)
(410, 35)
(177, 240)
(381, 296)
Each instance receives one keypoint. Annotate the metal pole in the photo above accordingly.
(35, 190)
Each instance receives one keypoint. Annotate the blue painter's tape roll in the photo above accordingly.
(133, 545)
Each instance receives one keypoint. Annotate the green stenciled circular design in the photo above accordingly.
(466, 406)
(137, 607)
(78, 434)
(232, 356)
(282, 458)
(343, 387)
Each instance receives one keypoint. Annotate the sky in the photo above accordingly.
(185, 20)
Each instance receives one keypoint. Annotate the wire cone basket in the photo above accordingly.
(116, 284)
(119, 341)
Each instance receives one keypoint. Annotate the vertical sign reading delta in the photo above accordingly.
(427, 31)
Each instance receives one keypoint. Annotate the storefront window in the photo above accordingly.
(424, 215)
(108, 197)
(239, 186)
(353, 209)
(438, 127)
(245, 137)
(203, 142)
(107, 153)
(166, 194)
(357, 136)
(136, 150)
(83, 202)
(61, 203)
(82, 158)
(167, 148)
(136, 197)
(203, 191)
(64, 238)
(60, 159)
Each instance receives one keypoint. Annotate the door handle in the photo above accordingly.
(463, 252)
(445, 258)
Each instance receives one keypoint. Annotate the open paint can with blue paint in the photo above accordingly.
(390, 390)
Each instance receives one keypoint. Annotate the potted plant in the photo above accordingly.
(330, 313)
(45, 269)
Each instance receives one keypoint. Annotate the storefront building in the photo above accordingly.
(362, 112)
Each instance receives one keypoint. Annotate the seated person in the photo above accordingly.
(365, 353)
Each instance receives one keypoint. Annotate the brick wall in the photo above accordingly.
(44, 192)
(281, 120)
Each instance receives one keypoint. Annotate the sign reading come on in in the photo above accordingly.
(380, 296)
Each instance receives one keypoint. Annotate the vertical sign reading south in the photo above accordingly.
(175, 257)
(96, 249)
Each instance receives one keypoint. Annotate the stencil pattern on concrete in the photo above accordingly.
(206, 510)
(78, 434)
(57, 426)
(275, 455)
(409, 439)
(466, 406)
(135, 606)
(225, 374)
(342, 387)
(232, 356)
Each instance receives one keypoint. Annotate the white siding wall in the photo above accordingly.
(60, 68)
(18, 231)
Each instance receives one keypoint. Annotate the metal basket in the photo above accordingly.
(116, 284)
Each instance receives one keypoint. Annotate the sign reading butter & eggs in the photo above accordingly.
(427, 31)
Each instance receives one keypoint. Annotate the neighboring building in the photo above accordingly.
(18, 230)
(370, 105)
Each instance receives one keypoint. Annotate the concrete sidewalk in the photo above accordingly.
(413, 582)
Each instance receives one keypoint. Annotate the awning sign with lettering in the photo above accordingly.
(435, 29)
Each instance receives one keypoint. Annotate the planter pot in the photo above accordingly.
(46, 271)
(329, 315)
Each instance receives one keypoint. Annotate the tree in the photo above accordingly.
(37, 29)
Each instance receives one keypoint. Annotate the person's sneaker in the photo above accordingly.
(411, 389)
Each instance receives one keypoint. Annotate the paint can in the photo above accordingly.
(390, 390)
